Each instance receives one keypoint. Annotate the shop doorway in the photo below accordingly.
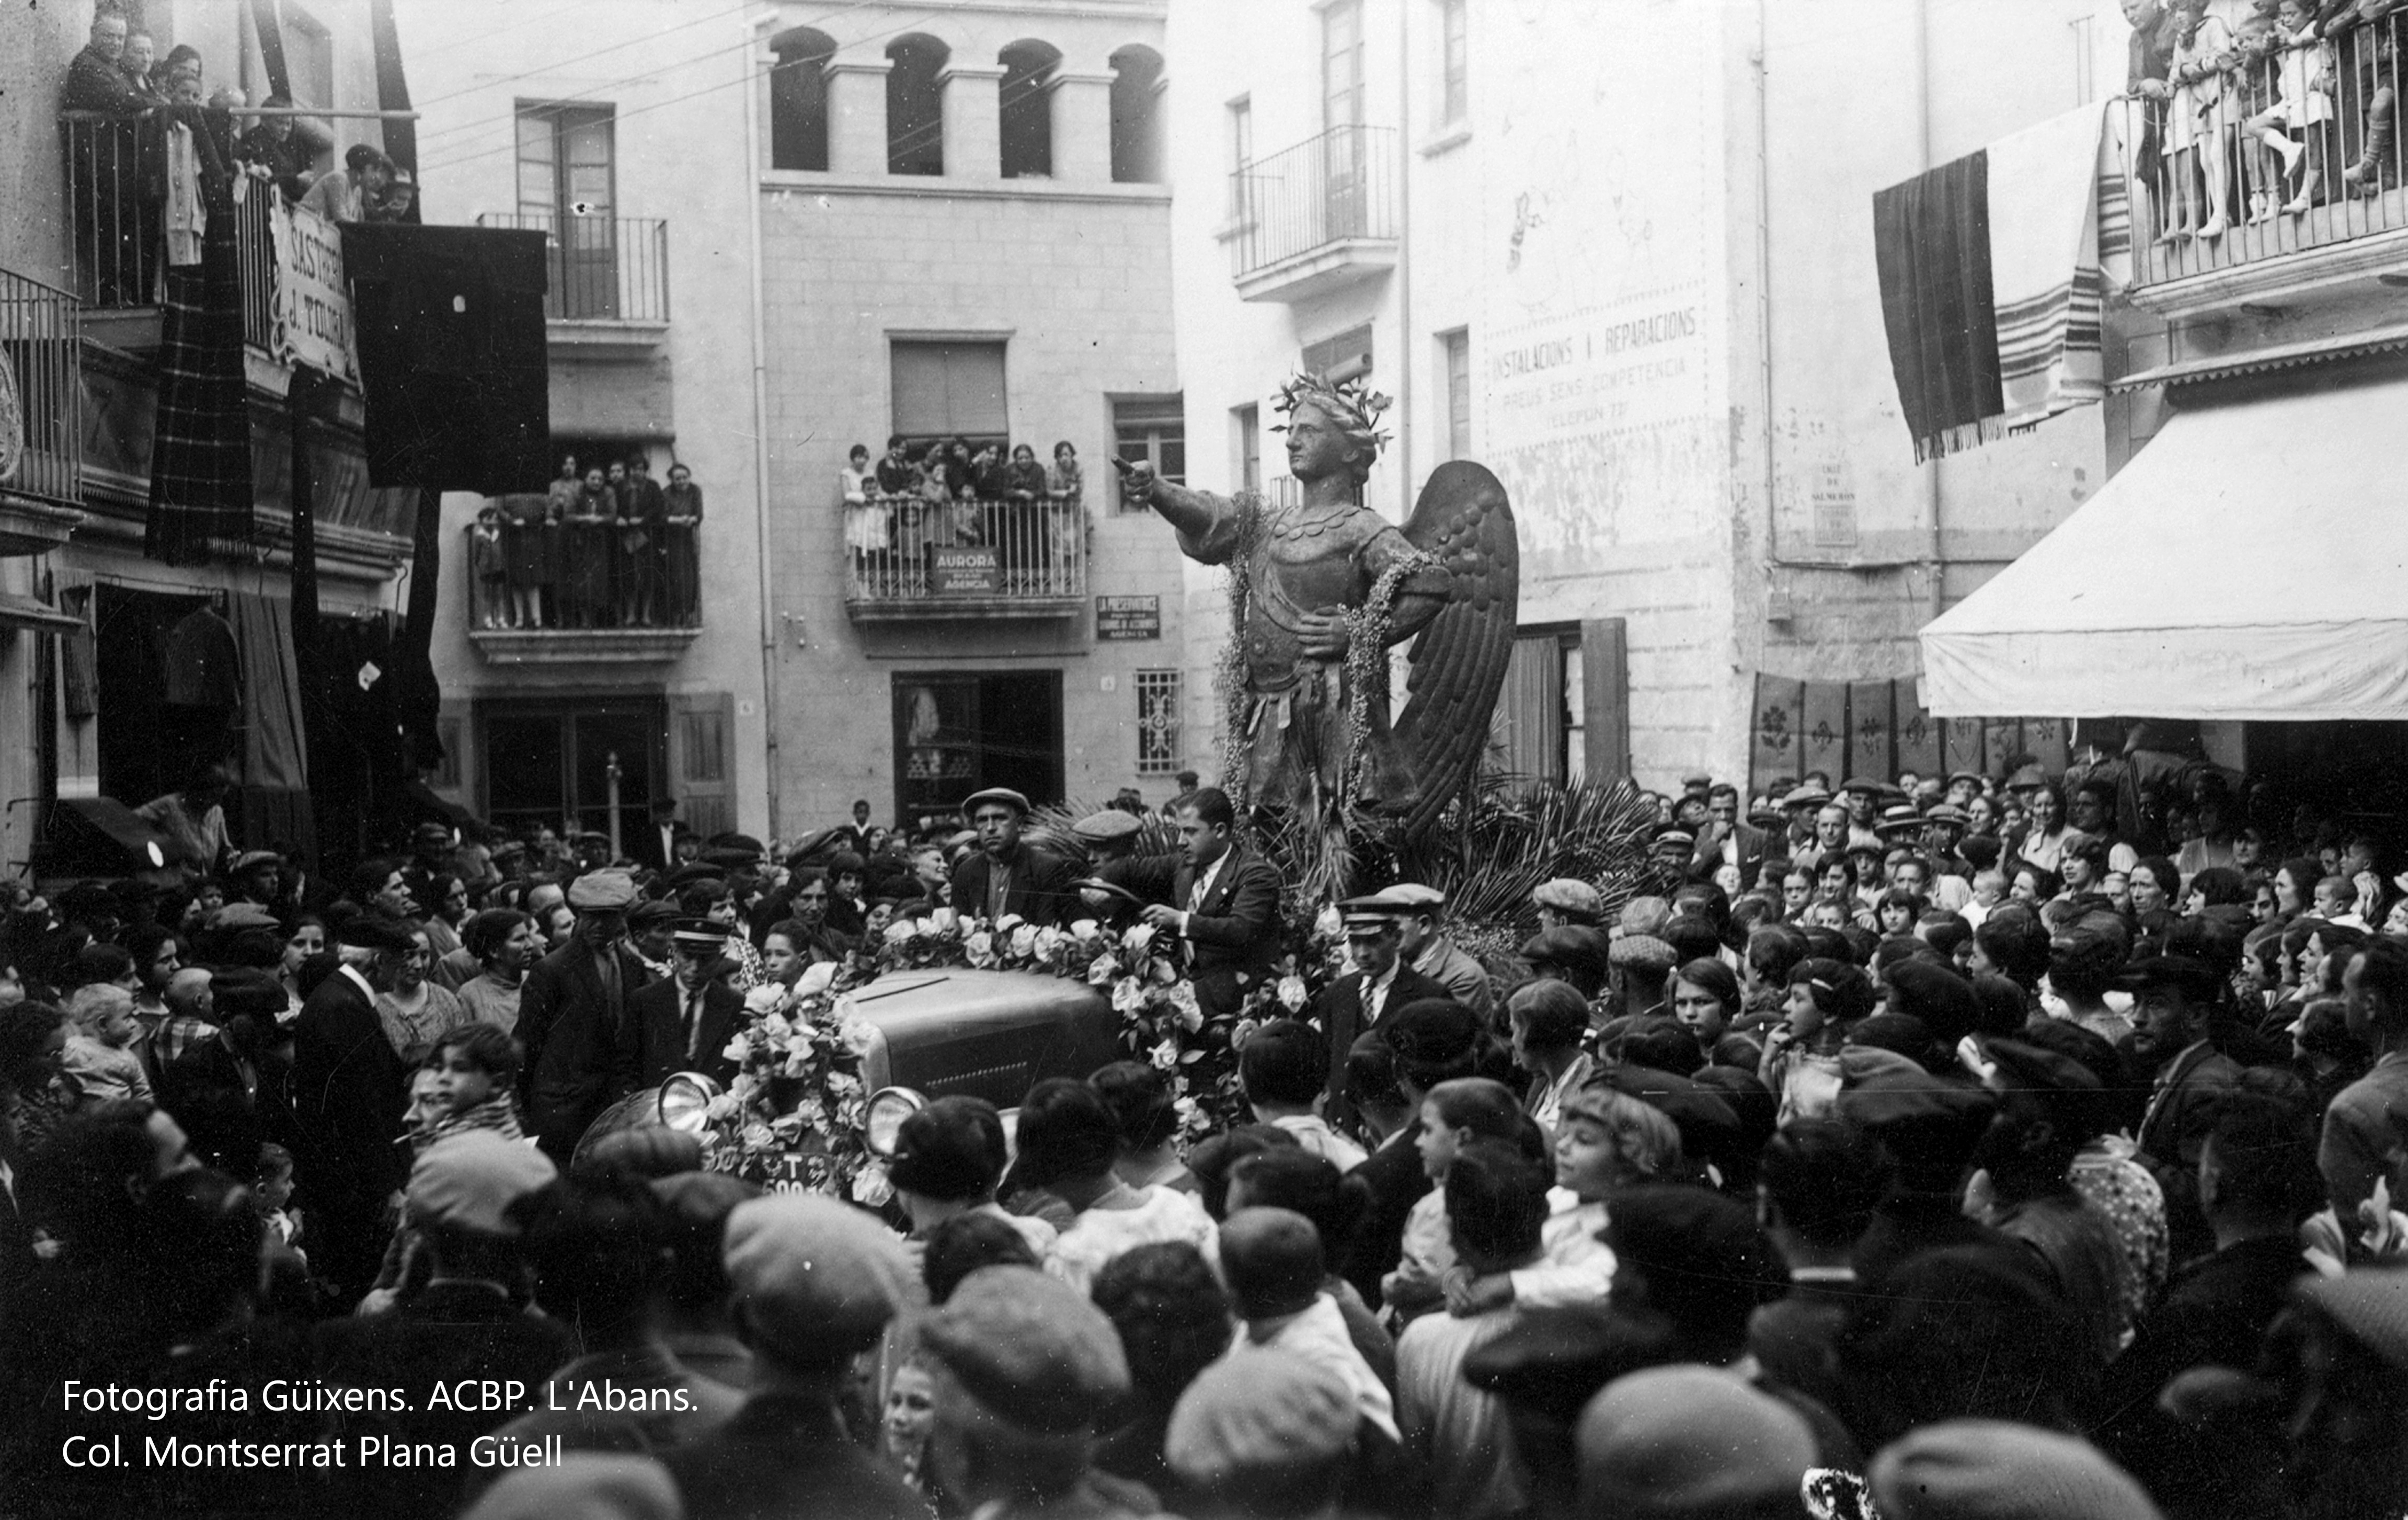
(551, 765)
(150, 744)
(956, 734)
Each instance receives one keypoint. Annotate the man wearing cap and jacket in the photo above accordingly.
(349, 1091)
(1004, 875)
(2172, 998)
(1361, 1000)
(573, 1015)
(683, 1023)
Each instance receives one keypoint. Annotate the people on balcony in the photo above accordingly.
(345, 194)
(2201, 107)
(141, 54)
(606, 548)
(273, 147)
(683, 590)
(1063, 482)
(400, 195)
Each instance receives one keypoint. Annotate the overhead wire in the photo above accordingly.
(905, 143)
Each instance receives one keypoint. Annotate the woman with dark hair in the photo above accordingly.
(2044, 843)
(1141, 1105)
(1899, 911)
(2218, 886)
(2156, 886)
(1549, 1020)
(35, 1092)
(1293, 1178)
(2295, 886)
(1173, 1320)
(504, 944)
(2031, 885)
(1068, 1141)
(948, 1159)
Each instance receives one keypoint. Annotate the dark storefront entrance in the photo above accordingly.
(551, 764)
(956, 734)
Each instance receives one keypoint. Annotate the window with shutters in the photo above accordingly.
(1152, 428)
(1537, 712)
(1454, 352)
(948, 388)
(1455, 63)
(1159, 752)
(1246, 433)
(1346, 356)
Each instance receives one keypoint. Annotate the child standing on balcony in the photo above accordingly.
(2196, 119)
(866, 523)
(2302, 105)
(487, 568)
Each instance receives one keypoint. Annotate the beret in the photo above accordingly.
(1567, 895)
(1430, 1031)
(242, 915)
(1641, 952)
(1644, 915)
(650, 912)
(1993, 1469)
(602, 892)
(1919, 1103)
(371, 931)
(1412, 894)
(738, 843)
(1016, 801)
(720, 860)
(1553, 1361)
(1689, 1439)
(1709, 1126)
(696, 1198)
(432, 831)
(1935, 994)
(1029, 1347)
(1859, 784)
(1105, 826)
(1807, 797)
(237, 990)
(1260, 1410)
(814, 1280)
(470, 1179)
(2193, 978)
(1567, 944)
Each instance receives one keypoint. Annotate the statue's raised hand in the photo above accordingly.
(1136, 478)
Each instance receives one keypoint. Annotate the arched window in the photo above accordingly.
(916, 106)
(1026, 110)
(798, 99)
(1137, 112)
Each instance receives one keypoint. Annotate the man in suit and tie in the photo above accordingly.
(2172, 998)
(1727, 840)
(683, 1023)
(1380, 982)
(351, 1090)
(1004, 875)
(573, 1015)
(1225, 901)
(654, 845)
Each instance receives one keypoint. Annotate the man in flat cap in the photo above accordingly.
(1004, 875)
(573, 1015)
(350, 1092)
(1025, 1371)
(812, 1284)
(2172, 998)
(683, 1023)
(1427, 949)
(1567, 901)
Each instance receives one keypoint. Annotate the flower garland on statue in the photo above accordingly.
(1139, 970)
(798, 1111)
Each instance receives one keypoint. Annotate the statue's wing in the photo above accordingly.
(1459, 657)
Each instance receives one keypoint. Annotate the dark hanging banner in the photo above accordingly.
(392, 95)
(449, 325)
(265, 21)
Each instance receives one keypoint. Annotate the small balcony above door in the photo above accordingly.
(607, 280)
(1314, 218)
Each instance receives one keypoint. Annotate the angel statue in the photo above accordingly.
(1319, 591)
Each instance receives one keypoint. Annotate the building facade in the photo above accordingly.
(778, 234)
(119, 673)
(1621, 253)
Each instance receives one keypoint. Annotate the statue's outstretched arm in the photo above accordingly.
(1206, 523)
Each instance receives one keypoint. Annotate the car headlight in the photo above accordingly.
(888, 1108)
(685, 1101)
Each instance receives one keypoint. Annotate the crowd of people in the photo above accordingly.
(2260, 109)
(153, 152)
(927, 494)
(606, 547)
(2018, 1145)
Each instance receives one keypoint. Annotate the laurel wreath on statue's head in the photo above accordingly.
(1353, 406)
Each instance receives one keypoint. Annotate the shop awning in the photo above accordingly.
(2251, 562)
(21, 611)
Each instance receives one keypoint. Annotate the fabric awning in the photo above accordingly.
(21, 611)
(2251, 562)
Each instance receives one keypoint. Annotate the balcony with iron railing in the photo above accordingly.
(581, 591)
(115, 235)
(912, 559)
(1315, 217)
(2277, 174)
(41, 415)
(609, 277)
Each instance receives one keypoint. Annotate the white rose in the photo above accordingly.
(1049, 943)
(1330, 922)
(815, 979)
(736, 1049)
(1008, 923)
(945, 920)
(902, 929)
(858, 1035)
(1087, 929)
(870, 1186)
(1128, 995)
(1024, 942)
(1165, 1055)
(1291, 994)
(776, 1028)
(1136, 938)
(764, 998)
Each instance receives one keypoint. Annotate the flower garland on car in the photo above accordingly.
(796, 1113)
(1140, 971)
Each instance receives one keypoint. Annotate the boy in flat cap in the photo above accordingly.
(683, 1023)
